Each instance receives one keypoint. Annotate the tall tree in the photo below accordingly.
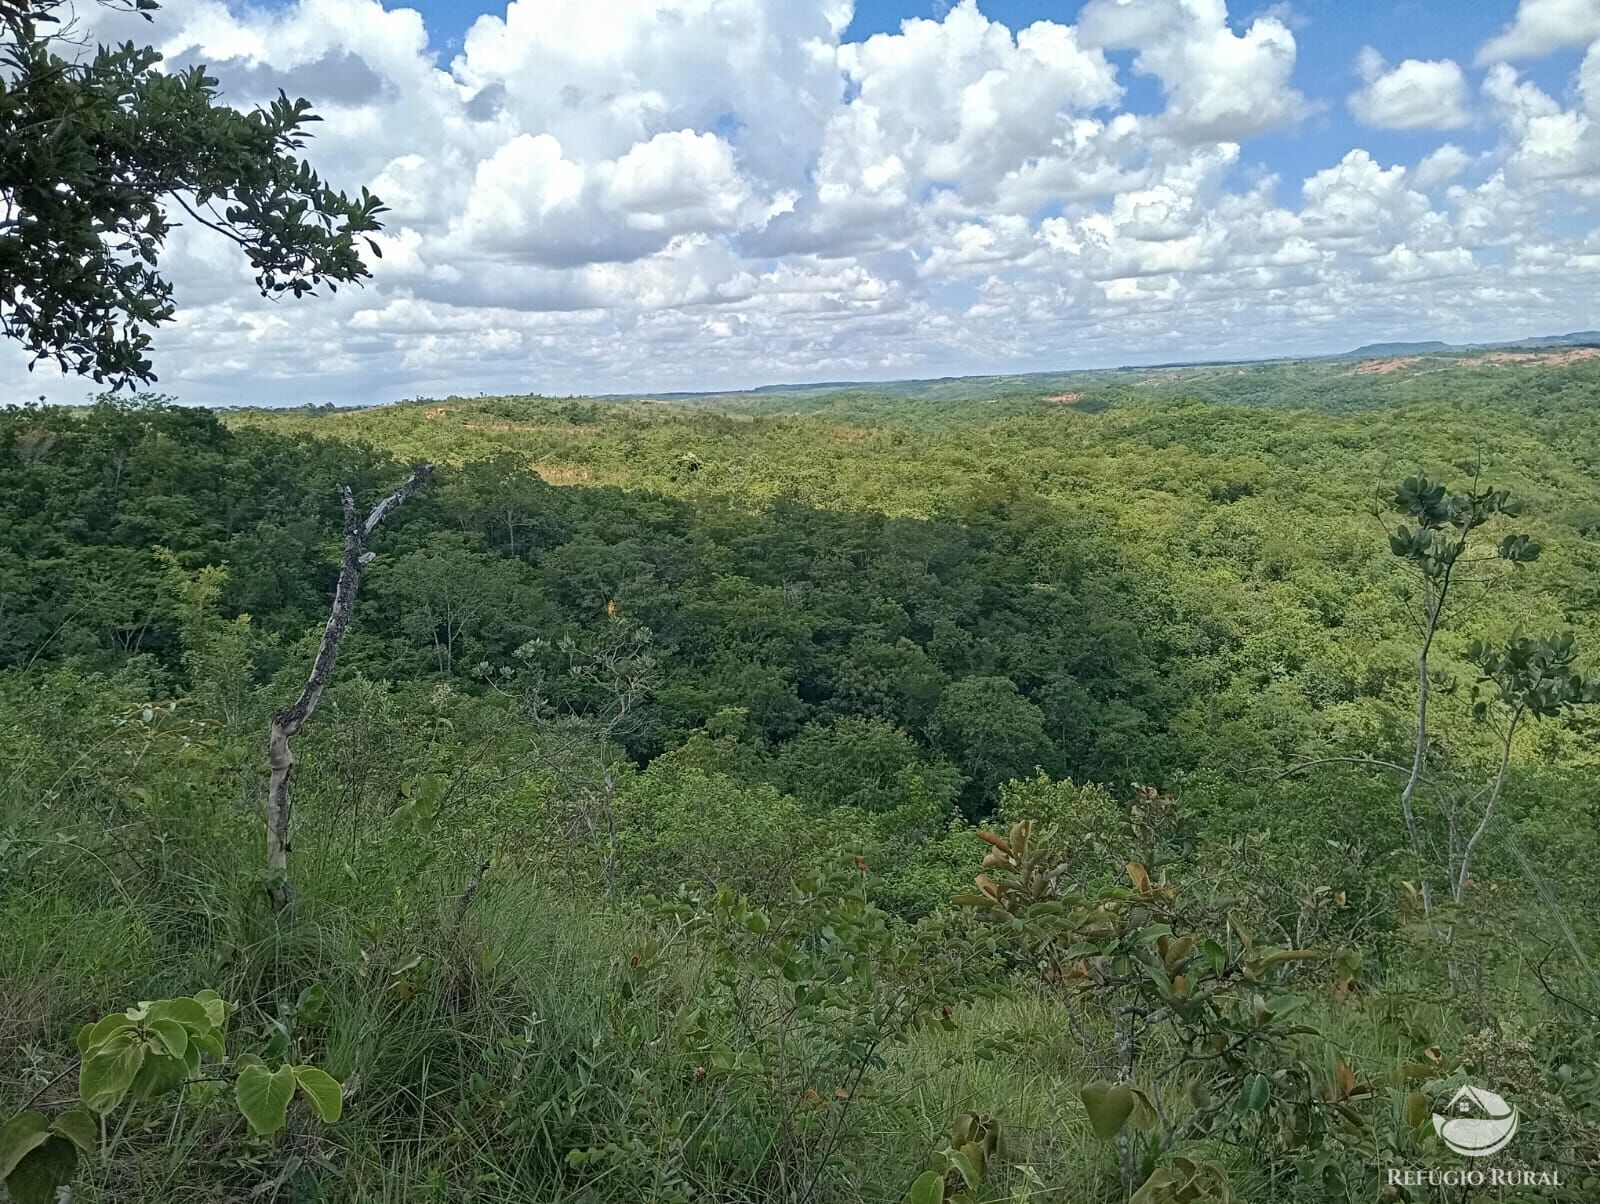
(1437, 548)
(95, 151)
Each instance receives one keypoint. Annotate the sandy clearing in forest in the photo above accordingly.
(1554, 356)
(1568, 356)
(1384, 366)
(563, 474)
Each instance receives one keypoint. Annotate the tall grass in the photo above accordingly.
(486, 1043)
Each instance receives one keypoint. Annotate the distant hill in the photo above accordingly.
(1577, 338)
(1374, 350)
(987, 387)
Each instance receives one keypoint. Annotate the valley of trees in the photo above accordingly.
(812, 797)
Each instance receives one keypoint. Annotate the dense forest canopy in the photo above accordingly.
(617, 646)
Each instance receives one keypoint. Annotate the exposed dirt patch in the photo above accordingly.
(1567, 356)
(434, 414)
(1384, 366)
(560, 474)
(1063, 399)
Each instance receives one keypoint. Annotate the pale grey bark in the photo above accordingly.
(288, 722)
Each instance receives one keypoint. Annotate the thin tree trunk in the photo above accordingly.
(1464, 869)
(608, 792)
(1419, 757)
(288, 722)
(1123, 1021)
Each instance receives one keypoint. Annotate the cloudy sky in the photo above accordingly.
(643, 195)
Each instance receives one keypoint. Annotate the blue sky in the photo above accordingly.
(1434, 27)
(638, 195)
(1334, 33)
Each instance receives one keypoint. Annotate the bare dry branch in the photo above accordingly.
(288, 722)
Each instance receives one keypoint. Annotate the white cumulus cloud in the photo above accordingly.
(617, 195)
(1416, 95)
(1541, 26)
(1219, 84)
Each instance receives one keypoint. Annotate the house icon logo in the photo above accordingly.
(1476, 1122)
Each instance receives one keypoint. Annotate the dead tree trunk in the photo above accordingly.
(288, 722)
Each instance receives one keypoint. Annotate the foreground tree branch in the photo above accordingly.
(97, 148)
(288, 722)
